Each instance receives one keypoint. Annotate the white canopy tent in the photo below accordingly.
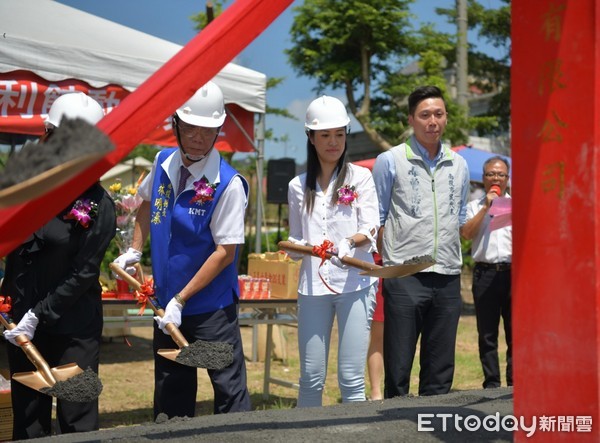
(58, 43)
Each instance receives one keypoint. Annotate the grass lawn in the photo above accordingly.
(127, 374)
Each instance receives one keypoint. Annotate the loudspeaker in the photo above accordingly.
(279, 174)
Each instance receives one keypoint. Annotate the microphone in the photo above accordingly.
(496, 189)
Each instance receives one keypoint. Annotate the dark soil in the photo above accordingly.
(392, 420)
(204, 354)
(73, 139)
(80, 388)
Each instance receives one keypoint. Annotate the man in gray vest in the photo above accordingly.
(423, 188)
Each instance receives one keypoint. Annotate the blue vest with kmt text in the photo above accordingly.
(181, 241)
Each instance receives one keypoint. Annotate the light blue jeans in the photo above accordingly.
(354, 311)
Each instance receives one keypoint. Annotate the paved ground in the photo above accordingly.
(394, 420)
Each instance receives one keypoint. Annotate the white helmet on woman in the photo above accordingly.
(75, 105)
(205, 108)
(326, 113)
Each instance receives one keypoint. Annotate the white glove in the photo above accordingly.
(296, 255)
(172, 315)
(25, 327)
(344, 249)
(124, 261)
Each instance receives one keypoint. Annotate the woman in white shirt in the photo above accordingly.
(333, 201)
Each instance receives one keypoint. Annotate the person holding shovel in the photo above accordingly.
(492, 252)
(193, 209)
(333, 205)
(52, 280)
(423, 188)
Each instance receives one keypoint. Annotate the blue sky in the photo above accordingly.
(170, 20)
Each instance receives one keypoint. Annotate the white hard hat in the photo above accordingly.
(75, 105)
(206, 108)
(326, 113)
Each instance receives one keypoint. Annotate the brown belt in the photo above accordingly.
(495, 266)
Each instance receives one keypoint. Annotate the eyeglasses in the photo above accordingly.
(495, 174)
(190, 130)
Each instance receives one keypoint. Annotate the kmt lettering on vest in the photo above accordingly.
(196, 211)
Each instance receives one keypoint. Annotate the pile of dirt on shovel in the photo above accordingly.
(72, 139)
(80, 388)
(204, 354)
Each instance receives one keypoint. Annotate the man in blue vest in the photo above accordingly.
(193, 209)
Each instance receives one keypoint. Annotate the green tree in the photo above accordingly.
(351, 45)
(145, 151)
(371, 50)
(489, 74)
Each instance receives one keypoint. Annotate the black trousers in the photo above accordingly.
(176, 385)
(428, 305)
(492, 294)
(32, 410)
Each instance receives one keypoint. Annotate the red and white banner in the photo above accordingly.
(25, 99)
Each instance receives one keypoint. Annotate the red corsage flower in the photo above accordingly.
(5, 304)
(82, 212)
(205, 191)
(346, 195)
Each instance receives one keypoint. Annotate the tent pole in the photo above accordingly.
(260, 146)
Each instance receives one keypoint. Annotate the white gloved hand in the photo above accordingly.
(124, 261)
(172, 315)
(25, 327)
(343, 249)
(296, 255)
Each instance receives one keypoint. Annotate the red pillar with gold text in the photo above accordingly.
(555, 73)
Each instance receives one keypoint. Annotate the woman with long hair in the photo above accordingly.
(333, 206)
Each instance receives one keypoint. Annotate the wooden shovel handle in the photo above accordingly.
(173, 330)
(308, 250)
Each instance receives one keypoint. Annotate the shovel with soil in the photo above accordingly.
(199, 354)
(36, 168)
(412, 266)
(66, 382)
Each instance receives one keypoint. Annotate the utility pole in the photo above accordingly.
(462, 66)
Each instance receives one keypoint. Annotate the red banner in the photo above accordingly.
(25, 99)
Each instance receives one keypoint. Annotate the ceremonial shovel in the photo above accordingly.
(369, 269)
(73, 383)
(200, 354)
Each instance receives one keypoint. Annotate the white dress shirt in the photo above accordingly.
(334, 223)
(490, 246)
(227, 223)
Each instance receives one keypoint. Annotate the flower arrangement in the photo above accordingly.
(82, 212)
(127, 202)
(346, 195)
(204, 191)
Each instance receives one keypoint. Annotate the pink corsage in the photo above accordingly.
(346, 195)
(204, 191)
(82, 212)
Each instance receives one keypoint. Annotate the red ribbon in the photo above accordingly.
(321, 251)
(144, 293)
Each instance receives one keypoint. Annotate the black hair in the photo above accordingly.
(497, 158)
(313, 169)
(422, 93)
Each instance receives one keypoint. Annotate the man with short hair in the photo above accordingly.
(422, 187)
(193, 208)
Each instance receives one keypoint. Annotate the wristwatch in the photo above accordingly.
(179, 300)
(352, 242)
